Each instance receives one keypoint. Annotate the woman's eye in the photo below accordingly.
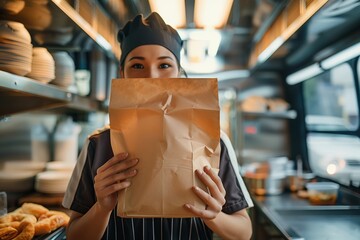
(165, 65)
(137, 66)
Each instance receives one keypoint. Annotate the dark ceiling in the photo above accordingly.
(238, 34)
(250, 19)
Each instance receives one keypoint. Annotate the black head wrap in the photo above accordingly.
(147, 31)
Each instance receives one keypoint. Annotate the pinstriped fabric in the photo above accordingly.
(197, 232)
(191, 224)
(132, 228)
(80, 197)
(156, 228)
(143, 229)
(204, 228)
(123, 229)
(180, 230)
(115, 225)
(153, 232)
(172, 229)
(161, 229)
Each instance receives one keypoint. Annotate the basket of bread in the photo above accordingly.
(31, 220)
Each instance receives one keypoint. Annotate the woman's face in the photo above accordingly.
(150, 61)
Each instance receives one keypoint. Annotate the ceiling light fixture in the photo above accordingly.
(304, 74)
(173, 12)
(341, 57)
(211, 13)
(266, 54)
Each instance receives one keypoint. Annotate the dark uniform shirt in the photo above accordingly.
(80, 196)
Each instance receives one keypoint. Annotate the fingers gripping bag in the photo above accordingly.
(173, 127)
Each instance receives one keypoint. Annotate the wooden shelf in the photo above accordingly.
(290, 114)
(288, 18)
(81, 24)
(21, 94)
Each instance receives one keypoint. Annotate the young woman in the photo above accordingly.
(151, 49)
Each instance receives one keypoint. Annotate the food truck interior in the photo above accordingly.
(289, 92)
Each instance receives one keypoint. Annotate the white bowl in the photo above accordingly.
(53, 37)
(21, 71)
(52, 182)
(24, 165)
(322, 193)
(53, 176)
(60, 166)
(14, 31)
(17, 181)
(43, 65)
(12, 6)
(33, 16)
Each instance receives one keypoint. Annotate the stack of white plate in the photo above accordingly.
(64, 69)
(60, 36)
(23, 166)
(15, 48)
(36, 15)
(52, 182)
(43, 65)
(16, 181)
(61, 166)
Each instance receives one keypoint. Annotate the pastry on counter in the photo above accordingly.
(278, 105)
(254, 104)
(31, 220)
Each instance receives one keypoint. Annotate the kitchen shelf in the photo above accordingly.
(272, 41)
(82, 24)
(19, 94)
(285, 43)
(290, 114)
(256, 154)
(263, 135)
(65, 28)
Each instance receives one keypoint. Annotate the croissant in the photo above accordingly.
(29, 220)
(7, 233)
(49, 224)
(52, 213)
(17, 217)
(33, 209)
(27, 231)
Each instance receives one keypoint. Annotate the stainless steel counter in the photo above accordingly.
(58, 234)
(296, 219)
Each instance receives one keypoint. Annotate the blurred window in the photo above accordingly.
(334, 156)
(331, 105)
(330, 101)
(358, 69)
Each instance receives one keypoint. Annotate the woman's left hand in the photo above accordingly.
(214, 199)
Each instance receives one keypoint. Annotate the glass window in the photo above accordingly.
(358, 69)
(330, 100)
(227, 99)
(335, 156)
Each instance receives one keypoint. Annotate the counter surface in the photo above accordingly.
(295, 218)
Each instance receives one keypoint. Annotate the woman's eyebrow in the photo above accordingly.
(136, 58)
(143, 58)
(166, 57)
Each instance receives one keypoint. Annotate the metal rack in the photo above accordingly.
(290, 114)
(21, 94)
(263, 135)
(82, 25)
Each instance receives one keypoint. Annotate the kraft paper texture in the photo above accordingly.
(173, 127)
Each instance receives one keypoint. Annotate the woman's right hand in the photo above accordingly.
(113, 177)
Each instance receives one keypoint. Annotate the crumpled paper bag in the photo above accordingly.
(173, 127)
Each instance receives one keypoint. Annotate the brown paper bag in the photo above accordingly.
(173, 127)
